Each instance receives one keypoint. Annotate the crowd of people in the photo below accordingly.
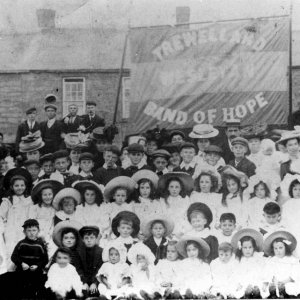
(208, 215)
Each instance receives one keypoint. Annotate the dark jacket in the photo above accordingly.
(245, 165)
(51, 136)
(190, 170)
(213, 243)
(71, 127)
(90, 125)
(103, 175)
(23, 130)
(158, 251)
(133, 169)
(285, 168)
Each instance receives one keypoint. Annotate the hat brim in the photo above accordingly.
(146, 225)
(66, 192)
(84, 229)
(121, 181)
(57, 231)
(181, 245)
(82, 185)
(195, 135)
(55, 185)
(185, 178)
(129, 216)
(37, 147)
(229, 170)
(257, 236)
(146, 174)
(140, 249)
(17, 171)
(279, 234)
(291, 136)
(201, 207)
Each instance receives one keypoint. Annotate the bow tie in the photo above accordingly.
(159, 173)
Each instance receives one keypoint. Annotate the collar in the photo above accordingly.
(92, 116)
(157, 241)
(28, 123)
(63, 216)
(140, 164)
(183, 165)
(144, 200)
(83, 174)
(128, 240)
(105, 166)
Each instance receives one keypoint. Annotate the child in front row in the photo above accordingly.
(227, 228)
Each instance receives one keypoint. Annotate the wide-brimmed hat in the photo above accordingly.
(185, 178)
(82, 185)
(289, 135)
(213, 149)
(146, 174)
(118, 245)
(287, 237)
(203, 131)
(55, 185)
(140, 249)
(147, 223)
(126, 215)
(254, 131)
(120, 181)
(76, 140)
(172, 147)
(17, 171)
(31, 145)
(230, 170)
(66, 192)
(257, 236)
(257, 178)
(98, 134)
(181, 245)
(59, 227)
(203, 208)
(286, 182)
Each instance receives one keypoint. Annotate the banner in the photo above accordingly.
(209, 73)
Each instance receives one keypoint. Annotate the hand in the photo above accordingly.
(66, 120)
(25, 266)
(85, 287)
(33, 267)
(93, 288)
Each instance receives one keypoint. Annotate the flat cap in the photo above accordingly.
(213, 148)
(86, 156)
(30, 223)
(87, 229)
(30, 162)
(46, 157)
(161, 153)
(135, 147)
(30, 110)
(239, 141)
(60, 154)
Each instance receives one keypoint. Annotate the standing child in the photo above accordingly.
(227, 228)
(156, 230)
(65, 203)
(195, 274)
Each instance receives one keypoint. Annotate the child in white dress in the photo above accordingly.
(63, 279)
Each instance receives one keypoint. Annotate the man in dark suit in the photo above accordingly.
(72, 121)
(90, 121)
(29, 126)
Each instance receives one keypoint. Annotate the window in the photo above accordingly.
(125, 97)
(74, 93)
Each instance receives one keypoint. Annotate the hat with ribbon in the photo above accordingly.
(203, 131)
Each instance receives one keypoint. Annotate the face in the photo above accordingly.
(47, 196)
(239, 151)
(232, 186)
(160, 163)
(145, 189)
(73, 110)
(272, 219)
(48, 167)
(120, 196)
(233, 132)
(296, 191)
(176, 138)
(19, 187)
(31, 117)
(158, 230)
(135, 157)
(247, 249)
(279, 249)
(32, 233)
(100, 145)
(292, 147)
(51, 113)
(151, 147)
(203, 144)
(260, 191)
(254, 145)
(91, 109)
(110, 158)
(61, 164)
(62, 259)
(141, 260)
(114, 256)
(124, 154)
(175, 159)
(33, 155)
(34, 171)
(86, 165)
(90, 240)
(68, 205)
(227, 227)
(212, 158)
(187, 154)
(174, 188)
(172, 253)
(225, 256)
(74, 156)
(268, 151)
(205, 184)
(192, 251)
(198, 221)
(125, 230)
(69, 240)
(89, 197)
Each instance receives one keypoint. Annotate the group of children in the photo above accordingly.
(202, 230)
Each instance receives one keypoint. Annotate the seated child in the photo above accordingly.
(91, 259)
(200, 217)
(227, 228)
(65, 203)
(61, 163)
(86, 164)
(281, 266)
(34, 168)
(63, 279)
(114, 273)
(30, 257)
(222, 269)
(47, 166)
(156, 230)
(160, 161)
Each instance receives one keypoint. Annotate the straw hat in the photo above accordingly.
(76, 140)
(31, 145)
(254, 131)
(287, 237)
(230, 170)
(168, 223)
(66, 192)
(257, 236)
(146, 174)
(118, 246)
(57, 231)
(203, 131)
(181, 245)
(126, 215)
(289, 135)
(120, 181)
(286, 182)
(140, 249)
(55, 185)
(82, 185)
(185, 178)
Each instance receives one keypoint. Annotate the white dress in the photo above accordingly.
(148, 207)
(3, 254)
(221, 237)
(63, 280)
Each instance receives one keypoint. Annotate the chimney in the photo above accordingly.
(46, 18)
(183, 16)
